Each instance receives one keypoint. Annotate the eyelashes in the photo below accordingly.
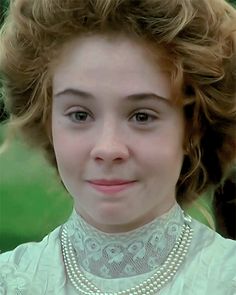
(141, 117)
(78, 116)
(144, 117)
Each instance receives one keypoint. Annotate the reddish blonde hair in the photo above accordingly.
(198, 37)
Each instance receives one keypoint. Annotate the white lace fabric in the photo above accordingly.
(14, 282)
(124, 254)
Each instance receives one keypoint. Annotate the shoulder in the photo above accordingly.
(210, 241)
(213, 260)
(32, 249)
(27, 267)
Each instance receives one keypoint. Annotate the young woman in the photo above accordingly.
(133, 102)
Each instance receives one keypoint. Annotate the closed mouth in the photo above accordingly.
(104, 182)
(111, 187)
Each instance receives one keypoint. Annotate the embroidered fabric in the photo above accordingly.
(13, 281)
(124, 254)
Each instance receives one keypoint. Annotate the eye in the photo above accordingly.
(143, 117)
(79, 116)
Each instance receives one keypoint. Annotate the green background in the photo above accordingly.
(32, 200)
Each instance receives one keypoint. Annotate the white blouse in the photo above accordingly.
(115, 262)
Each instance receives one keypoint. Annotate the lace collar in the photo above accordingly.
(124, 254)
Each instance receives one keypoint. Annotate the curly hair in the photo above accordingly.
(198, 36)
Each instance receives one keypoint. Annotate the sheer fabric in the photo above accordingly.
(38, 268)
(126, 254)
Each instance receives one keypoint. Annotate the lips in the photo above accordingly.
(111, 186)
(110, 182)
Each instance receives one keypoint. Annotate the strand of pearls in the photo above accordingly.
(148, 287)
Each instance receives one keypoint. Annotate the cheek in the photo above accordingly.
(67, 148)
(70, 152)
(161, 155)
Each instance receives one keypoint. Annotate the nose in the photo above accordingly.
(109, 146)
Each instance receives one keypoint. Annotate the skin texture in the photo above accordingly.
(108, 135)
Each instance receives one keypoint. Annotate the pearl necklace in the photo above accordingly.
(149, 286)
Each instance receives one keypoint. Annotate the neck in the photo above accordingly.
(130, 226)
(106, 254)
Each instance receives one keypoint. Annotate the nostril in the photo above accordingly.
(114, 152)
(100, 159)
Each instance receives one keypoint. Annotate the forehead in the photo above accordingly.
(112, 63)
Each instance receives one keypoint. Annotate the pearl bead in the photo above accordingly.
(149, 287)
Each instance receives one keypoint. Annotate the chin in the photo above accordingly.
(110, 220)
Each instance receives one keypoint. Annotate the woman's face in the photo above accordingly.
(117, 136)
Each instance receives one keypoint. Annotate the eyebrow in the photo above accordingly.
(132, 97)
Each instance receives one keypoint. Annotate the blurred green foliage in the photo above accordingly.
(32, 200)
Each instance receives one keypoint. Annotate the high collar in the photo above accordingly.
(117, 255)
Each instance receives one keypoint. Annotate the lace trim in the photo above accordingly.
(126, 254)
(14, 282)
